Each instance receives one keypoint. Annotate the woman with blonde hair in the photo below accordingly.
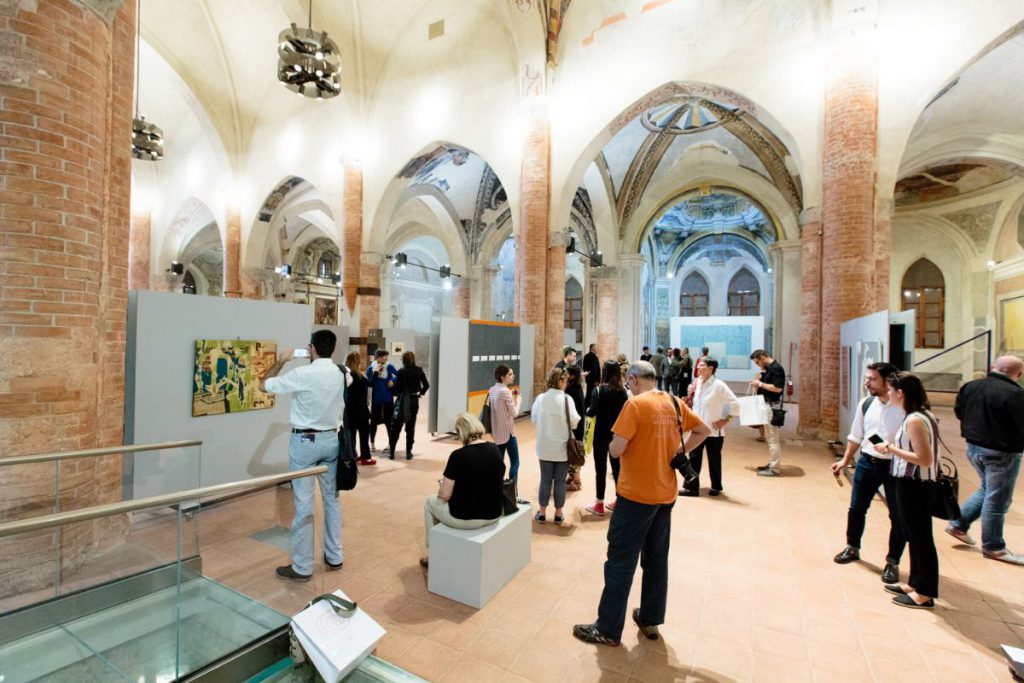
(357, 409)
(469, 493)
(550, 412)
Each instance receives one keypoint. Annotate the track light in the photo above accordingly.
(176, 268)
(284, 270)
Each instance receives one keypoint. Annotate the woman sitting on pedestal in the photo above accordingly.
(469, 494)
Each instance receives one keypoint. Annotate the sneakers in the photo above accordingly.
(891, 573)
(367, 461)
(588, 633)
(960, 535)
(596, 509)
(540, 518)
(768, 472)
(849, 554)
(559, 519)
(286, 572)
(332, 567)
(610, 507)
(1005, 556)
(650, 632)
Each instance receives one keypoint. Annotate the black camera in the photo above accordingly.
(681, 462)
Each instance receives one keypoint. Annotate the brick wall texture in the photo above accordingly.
(848, 206)
(532, 248)
(352, 241)
(810, 329)
(66, 107)
(138, 250)
(232, 282)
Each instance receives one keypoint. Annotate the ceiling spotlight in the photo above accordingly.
(309, 57)
(445, 271)
(597, 259)
(571, 247)
(176, 268)
(447, 284)
(670, 274)
(400, 259)
(990, 264)
(147, 139)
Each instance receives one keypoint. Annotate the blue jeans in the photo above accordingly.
(998, 473)
(310, 450)
(512, 447)
(871, 473)
(636, 531)
(552, 472)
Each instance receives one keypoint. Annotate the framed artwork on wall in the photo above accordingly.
(325, 311)
(1011, 326)
(227, 373)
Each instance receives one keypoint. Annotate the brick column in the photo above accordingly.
(138, 250)
(884, 207)
(66, 89)
(369, 292)
(606, 286)
(532, 245)
(233, 253)
(462, 298)
(848, 199)
(352, 241)
(809, 391)
(555, 315)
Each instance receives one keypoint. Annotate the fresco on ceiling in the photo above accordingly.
(421, 168)
(715, 211)
(946, 181)
(275, 198)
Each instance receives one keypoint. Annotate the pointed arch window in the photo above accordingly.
(744, 294)
(693, 296)
(574, 308)
(924, 292)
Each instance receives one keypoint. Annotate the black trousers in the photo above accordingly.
(601, 468)
(380, 414)
(408, 421)
(682, 387)
(359, 433)
(916, 498)
(713, 445)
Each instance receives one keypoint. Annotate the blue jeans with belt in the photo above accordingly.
(637, 531)
(998, 473)
(310, 450)
(871, 473)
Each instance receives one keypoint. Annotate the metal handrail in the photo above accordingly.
(47, 521)
(93, 452)
(986, 333)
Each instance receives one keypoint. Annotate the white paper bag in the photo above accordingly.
(754, 411)
(335, 645)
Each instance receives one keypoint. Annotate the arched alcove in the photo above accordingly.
(574, 307)
(924, 292)
(693, 295)
(744, 294)
(415, 291)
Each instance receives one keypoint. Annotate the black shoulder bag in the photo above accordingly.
(681, 461)
(947, 482)
(348, 469)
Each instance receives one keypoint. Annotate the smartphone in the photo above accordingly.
(876, 439)
(301, 353)
(839, 479)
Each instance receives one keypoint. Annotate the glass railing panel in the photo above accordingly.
(55, 655)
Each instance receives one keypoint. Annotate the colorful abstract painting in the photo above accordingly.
(227, 375)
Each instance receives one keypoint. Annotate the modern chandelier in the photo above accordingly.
(308, 61)
(147, 139)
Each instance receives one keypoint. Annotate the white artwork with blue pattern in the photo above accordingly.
(730, 340)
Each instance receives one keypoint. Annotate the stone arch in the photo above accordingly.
(755, 116)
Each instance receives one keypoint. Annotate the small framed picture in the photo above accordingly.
(325, 311)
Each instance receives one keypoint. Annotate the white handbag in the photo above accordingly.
(336, 634)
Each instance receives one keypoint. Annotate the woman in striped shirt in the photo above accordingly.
(913, 467)
(505, 402)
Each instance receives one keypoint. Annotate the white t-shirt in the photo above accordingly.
(883, 419)
(548, 414)
(319, 390)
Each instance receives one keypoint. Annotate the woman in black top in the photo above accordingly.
(469, 495)
(357, 410)
(410, 386)
(574, 390)
(605, 405)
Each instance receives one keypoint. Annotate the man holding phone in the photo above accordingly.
(382, 376)
(315, 415)
(876, 421)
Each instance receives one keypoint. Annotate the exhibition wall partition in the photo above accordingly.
(170, 378)
(862, 341)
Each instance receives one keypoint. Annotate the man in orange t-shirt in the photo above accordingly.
(647, 437)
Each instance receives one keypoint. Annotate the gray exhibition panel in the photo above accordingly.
(162, 331)
(452, 383)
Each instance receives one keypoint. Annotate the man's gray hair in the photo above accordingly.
(641, 369)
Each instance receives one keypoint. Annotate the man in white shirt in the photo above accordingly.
(714, 402)
(876, 420)
(316, 413)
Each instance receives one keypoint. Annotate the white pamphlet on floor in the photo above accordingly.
(336, 645)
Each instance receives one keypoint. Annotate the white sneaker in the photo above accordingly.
(1005, 556)
(960, 535)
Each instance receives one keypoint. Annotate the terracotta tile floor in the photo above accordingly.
(754, 594)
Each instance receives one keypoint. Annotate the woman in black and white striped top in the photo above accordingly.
(913, 467)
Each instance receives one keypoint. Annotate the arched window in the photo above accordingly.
(693, 295)
(574, 307)
(924, 292)
(744, 294)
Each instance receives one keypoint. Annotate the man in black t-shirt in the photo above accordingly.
(469, 493)
(770, 384)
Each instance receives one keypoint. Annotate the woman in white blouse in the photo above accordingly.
(553, 432)
(913, 467)
(714, 401)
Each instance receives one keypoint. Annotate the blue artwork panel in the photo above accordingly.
(725, 342)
